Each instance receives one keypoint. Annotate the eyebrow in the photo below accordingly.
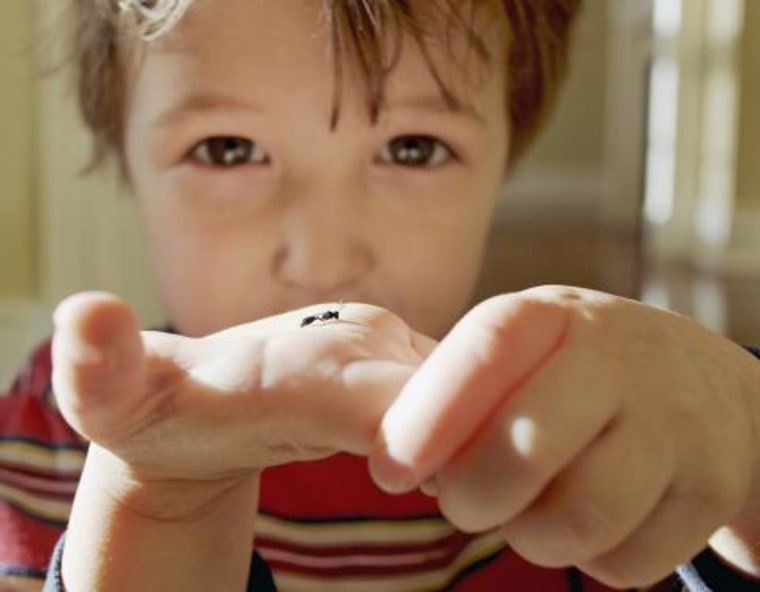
(436, 103)
(200, 104)
(205, 103)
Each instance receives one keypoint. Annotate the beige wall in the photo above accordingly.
(576, 134)
(60, 232)
(748, 172)
(574, 140)
(17, 210)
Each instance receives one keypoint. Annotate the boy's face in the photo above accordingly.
(254, 206)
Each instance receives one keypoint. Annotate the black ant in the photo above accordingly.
(322, 317)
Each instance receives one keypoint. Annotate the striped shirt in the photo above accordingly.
(41, 459)
(322, 526)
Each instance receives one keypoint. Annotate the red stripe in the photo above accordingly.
(23, 416)
(25, 412)
(457, 541)
(58, 489)
(342, 570)
(509, 571)
(334, 488)
(25, 542)
(347, 571)
(71, 478)
(35, 376)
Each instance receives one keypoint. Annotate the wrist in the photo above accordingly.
(738, 543)
(738, 547)
(129, 534)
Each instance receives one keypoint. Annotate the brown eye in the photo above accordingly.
(415, 151)
(229, 152)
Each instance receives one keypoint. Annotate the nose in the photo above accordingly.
(323, 252)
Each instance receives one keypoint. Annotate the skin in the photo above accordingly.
(591, 429)
(316, 215)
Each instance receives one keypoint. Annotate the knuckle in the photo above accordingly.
(557, 292)
(617, 573)
(505, 307)
(716, 498)
(469, 518)
(625, 570)
(530, 456)
(562, 536)
(468, 507)
(587, 530)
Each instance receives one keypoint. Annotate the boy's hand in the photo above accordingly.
(209, 412)
(181, 428)
(593, 430)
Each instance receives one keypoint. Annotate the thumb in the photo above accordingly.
(98, 363)
(485, 359)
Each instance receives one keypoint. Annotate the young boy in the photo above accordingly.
(343, 158)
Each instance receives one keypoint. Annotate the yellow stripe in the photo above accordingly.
(27, 454)
(424, 530)
(480, 548)
(36, 505)
(19, 583)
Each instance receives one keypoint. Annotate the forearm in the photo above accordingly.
(150, 541)
(738, 543)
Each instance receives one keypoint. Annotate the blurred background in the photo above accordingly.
(647, 183)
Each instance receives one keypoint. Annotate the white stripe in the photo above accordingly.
(422, 531)
(27, 454)
(49, 485)
(479, 548)
(384, 560)
(36, 505)
(10, 583)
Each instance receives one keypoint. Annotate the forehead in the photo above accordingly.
(287, 48)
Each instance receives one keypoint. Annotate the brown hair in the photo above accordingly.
(536, 60)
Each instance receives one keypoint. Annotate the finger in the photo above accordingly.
(675, 532)
(350, 425)
(98, 364)
(485, 358)
(597, 501)
(422, 344)
(535, 434)
(348, 416)
(334, 382)
(317, 388)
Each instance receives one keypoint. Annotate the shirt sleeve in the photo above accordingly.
(707, 573)
(53, 581)
(40, 463)
(259, 578)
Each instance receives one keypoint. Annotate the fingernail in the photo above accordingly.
(390, 475)
(69, 342)
(81, 352)
(62, 313)
(430, 487)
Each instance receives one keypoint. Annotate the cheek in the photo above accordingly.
(205, 271)
(440, 248)
(187, 275)
(457, 268)
(438, 275)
